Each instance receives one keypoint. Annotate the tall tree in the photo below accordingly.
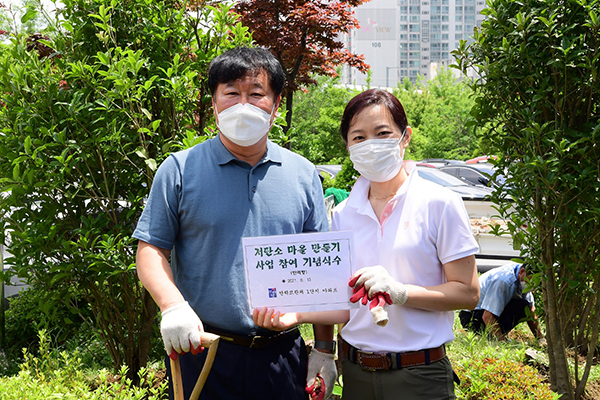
(84, 127)
(539, 63)
(304, 35)
(317, 117)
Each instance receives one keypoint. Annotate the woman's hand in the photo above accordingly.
(274, 320)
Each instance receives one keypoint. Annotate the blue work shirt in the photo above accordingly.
(204, 200)
(498, 286)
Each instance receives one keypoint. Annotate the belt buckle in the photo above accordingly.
(254, 342)
(387, 361)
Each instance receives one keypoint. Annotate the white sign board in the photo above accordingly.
(299, 273)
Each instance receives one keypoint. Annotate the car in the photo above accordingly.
(479, 160)
(438, 162)
(329, 170)
(477, 174)
(465, 190)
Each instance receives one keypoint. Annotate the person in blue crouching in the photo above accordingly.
(504, 302)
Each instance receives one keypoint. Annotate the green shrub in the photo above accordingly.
(347, 176)
(54, 375)
(27, 314)
(492, 378)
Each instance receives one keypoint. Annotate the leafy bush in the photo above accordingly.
(85, 122)
(346, 178)
(493, 378)
(27, 314)
(56, 374)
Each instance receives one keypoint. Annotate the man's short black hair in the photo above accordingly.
(239, 61)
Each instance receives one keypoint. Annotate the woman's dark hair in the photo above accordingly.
(239, 61)
(368, 98)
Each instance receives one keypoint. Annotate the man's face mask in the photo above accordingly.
(244, 124)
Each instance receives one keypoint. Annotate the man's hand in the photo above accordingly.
(377, 280)
(274, 320)
(180, 329)
(322, 374)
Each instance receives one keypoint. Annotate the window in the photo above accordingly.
(445, 28)
(458, 28)
(457, 36)
(414, 64)
(414, 10)
(458, 10)
(415, 28)
(415, 37)
(458, 18)
(414, 46)
(415, 19)
(402, 27)
(415, 55)
(444, 36)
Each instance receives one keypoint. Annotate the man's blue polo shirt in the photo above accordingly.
(203, 201)
(498, 286)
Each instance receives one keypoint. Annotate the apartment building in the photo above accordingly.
(409, 38)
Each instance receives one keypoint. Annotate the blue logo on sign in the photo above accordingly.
(272, 292)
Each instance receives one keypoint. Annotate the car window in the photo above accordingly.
(440, 177)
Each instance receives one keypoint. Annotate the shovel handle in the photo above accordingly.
(176, 378)
(212, 342)
(206, 340)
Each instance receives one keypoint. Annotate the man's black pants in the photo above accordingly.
(514, 313)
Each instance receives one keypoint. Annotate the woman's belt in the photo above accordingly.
(385, 361)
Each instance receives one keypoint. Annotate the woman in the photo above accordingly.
(414, 249)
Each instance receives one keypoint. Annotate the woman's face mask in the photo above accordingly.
(244, 124)
(378, 160)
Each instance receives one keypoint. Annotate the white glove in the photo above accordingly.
(180, 327)
(323, 365)
(376, 279)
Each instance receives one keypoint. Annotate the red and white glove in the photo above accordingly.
(376, 284)
(321, 375)
(180, 328)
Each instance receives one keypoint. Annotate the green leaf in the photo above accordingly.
(28, 16)
(151, 163)
(27, 145)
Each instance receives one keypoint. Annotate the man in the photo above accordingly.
(503, 303)
(202, 202)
